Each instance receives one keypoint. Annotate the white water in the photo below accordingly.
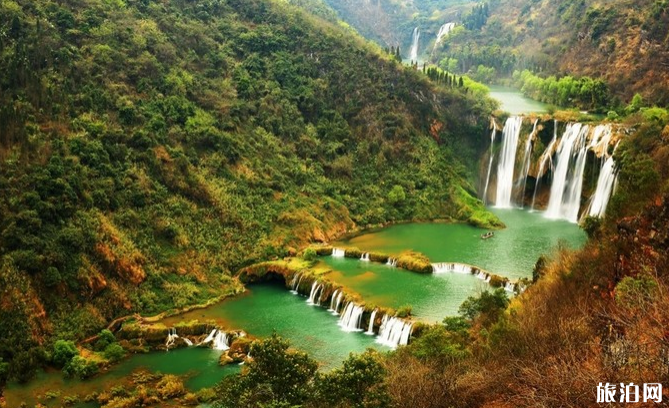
(546, 156)
(221, 341)
(209, 338)
(335, 311)
(296, 283)
(171, 337)
(527, 158)
(365, 257)
(391, 262)
(605, 182)
(333, 299)
(444, 30)
(188, 342)
(509, 287)
(370, 329)
(313, 295)
(338, 253)
(565, 198)
(351, 317)
(487, 179)
(507, 161)
(413, 52)
(445, 267)
(394, 332)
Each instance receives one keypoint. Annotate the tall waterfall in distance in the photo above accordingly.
(546, 156)
(413, 51)
(565, 196)
(507, 161)
(444, 30)
(487, 179)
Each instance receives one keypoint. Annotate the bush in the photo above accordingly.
(105, 338)
(404, 311)
(63, 352)
(309, 254)
(114, 352)
(81, 368)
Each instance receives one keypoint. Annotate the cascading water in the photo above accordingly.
(333, 300)
(391, 262)
(221, 341)
(188, 342)
(605, 183)
(565, 198)
(487, 179)
(546, 156)
(527, 158)
(171, 337)
(394, 332)
(296, 283)
(209, 338)
(370, 329)
(335, 311)
(444, 30)
(315, 287)
(365, 257)
(507, 161)
(413, 52)
(351, 317)
(445, 267)
(338, 253)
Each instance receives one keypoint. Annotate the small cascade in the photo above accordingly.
(482, 275)
(313, 295)
(187, 341)
(338, 253)
(509, 286)
(340, 296)
(413, 52)
(351, 317)
(370, 329)
(365, 257)
(394, 332)
(565, 198)
(209, 338)
(546, 157)
(171, 337)
(445, 267)
(487, 179)
(527, 158)
(605, 183)
(392, 262)
(333, 299)
(221, 341)
(507, 161)
(295, 284)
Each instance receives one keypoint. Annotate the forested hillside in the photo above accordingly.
(150, 148)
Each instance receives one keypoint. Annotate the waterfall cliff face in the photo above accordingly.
(560, 168)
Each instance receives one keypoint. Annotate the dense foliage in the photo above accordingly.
(150, 149)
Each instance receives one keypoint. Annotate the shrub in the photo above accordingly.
(309, 254)
(63, 352)
(404, 311)
(114, 352)
(81, 368)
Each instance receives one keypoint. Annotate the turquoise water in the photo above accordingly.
(512, 252)
(514, 102)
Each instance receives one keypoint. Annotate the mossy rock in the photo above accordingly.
(497, 281)
(324, 251)
(377, 257)
(414, 262)
(353, 253)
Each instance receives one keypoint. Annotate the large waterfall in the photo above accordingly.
(413, 51)
(565, 198)
(444, 30)
(351, 317)
(562, 165)
(507, 161)
(487, 179)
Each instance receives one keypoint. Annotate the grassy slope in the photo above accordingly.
(150, 149)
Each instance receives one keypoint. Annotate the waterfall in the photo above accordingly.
(370, 329)
(338, 253)
(171, 337)
(509, 286)
(333, 300)
(507, 161)
(351, 317)
(209, 338)
(336, 307)
(546, 156)
(444, 30)
(566, 189)
(297, 278)
(391, 262)
(605, 182)
(413, 52)
(315, 287)
(188, 342)
(221, 341)
(444, 267)
(527, 158)
(394, 332)
(365, 257)
(487, 179)
(482, 275)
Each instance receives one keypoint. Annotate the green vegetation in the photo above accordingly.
(151, 150)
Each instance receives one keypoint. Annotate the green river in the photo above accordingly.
(515, 102)
(269, 307)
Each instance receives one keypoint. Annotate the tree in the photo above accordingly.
(63, 352)
(487, 307)
(114, 352)
(396, 195)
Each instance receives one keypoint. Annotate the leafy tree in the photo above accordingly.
(63, 352)
(396, 195)
(80, 367)
(487, 307)
(114, 352)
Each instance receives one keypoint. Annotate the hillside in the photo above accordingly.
(150, 149)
